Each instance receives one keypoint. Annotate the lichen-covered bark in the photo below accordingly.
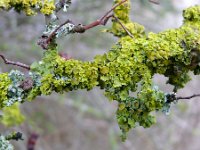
(128, 67)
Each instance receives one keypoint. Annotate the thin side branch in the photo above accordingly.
(103, 20)
(80, 28)
(6, 61)
(113, 8)
(123, 26)
(188, 97)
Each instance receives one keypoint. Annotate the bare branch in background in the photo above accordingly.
(154, 1)
(9, 62)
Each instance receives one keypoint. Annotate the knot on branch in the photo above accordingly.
(27, 84)
(43, 42)
(79, 28)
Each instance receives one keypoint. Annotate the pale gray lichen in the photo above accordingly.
(16, 76)
(36, 79)
(169, 98)
(50, 29)
(16, 93)
(65, 29)
(61, 31)
(5, 144)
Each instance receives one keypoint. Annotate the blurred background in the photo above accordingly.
(82, 120)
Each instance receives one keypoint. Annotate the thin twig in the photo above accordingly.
(103, 20)
(123, 26)
(188, 97)
(113, 8)
(6, 61)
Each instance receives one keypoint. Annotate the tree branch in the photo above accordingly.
(6, 61)
(103, 20)
(44, 41)
(154, 1)
(188, 97)
(173, 98)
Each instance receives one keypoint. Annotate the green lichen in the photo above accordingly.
(30, 7)
(128, 67)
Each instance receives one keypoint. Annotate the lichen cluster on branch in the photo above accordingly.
(128, 67)
(30, 7)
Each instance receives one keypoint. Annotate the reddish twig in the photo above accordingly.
(103, 20)
(123, 26)
(113, 8)
(80, 28)
(6, 61)
(188, 97)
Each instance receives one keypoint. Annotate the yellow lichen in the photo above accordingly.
(30, 7)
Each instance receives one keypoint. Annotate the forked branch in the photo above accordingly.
(82, 28)
(103, 20)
